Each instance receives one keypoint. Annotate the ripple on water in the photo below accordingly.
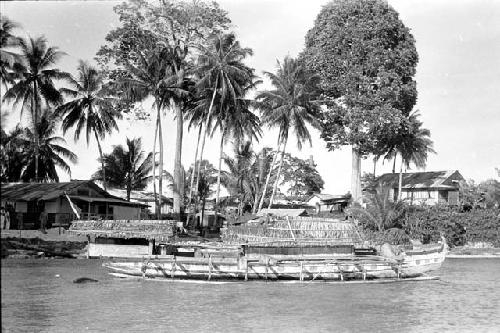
(34, 299)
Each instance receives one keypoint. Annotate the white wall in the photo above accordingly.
(125, 212)
(113, 250)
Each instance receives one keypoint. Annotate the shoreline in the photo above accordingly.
(31, 244)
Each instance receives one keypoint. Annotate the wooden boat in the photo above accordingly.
(294, 258)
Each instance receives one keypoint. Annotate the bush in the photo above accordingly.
(459, 228)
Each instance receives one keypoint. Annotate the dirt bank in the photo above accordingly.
(33, 243)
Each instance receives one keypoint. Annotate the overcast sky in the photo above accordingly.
(458, 76)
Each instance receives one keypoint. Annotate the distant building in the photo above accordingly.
(328, 202)
(62, 202)
(431, 188)
(147, 198)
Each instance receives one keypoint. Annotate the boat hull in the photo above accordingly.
(284, 267)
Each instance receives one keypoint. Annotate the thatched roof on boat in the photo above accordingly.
(282, 212)
(291, 231)
(160, 230)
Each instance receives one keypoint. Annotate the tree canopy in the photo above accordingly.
(365, 58)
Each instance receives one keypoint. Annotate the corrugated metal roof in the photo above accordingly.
(38, 191)
(432, 179)
(49, 191)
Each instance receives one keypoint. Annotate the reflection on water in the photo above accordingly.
(34, 299)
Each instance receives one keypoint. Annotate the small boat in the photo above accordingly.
(303, 249)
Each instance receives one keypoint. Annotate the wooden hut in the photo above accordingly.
(124, 238)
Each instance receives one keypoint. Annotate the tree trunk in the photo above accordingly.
(275, 157)
(177, 162)
(157, 203)
(278, 175)
(374, 166)
(394, 164)
(195, 167)
(160, 166)
(400, 185)
(356, 177)
(259, 179)
(221, 149)
(205, 132)
(37, 139)
(102, 161)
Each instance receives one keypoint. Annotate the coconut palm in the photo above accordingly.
(289, 106)
(413, 144)
(152, 76)
(239, 180)
(35, 82)
(237, 122)
(12, 154)
(91, 109)
(8, 58)
(50, 152)
(127, 167)
(224, 76)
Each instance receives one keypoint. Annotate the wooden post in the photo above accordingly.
(301, 271)
(209, 267)
(88, 246)
(267, 264)
(172, 270)
(246, 270)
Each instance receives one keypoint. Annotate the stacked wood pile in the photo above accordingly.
(160, 230)
(293, 231)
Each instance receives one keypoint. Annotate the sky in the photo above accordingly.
(458, 77)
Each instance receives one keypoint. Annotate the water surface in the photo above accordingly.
(35, 299)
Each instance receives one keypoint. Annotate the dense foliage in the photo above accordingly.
(366, 60)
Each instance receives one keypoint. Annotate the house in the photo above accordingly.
(430, 188)
(62, 202)
(329, 202)
(125, 238)
(146, 198)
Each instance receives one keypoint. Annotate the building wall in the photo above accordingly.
(117, 251)
(125, 212)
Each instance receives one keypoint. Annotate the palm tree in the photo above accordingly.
(12, 154)
(8, 58)
(289, 106)
(50, 153)
(239, 180)
(238, 122)
(413, 144)
(151, 76)
(91, 109)
(224, 74)
(36, 82)
(127, 168)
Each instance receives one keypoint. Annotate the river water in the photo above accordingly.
(39, 296)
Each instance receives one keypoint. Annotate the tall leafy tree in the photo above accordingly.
(366, 59)
(51, 153)
(35, 85)
(127, 167)
(177, 26)
(91, 109)
(290, 106)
